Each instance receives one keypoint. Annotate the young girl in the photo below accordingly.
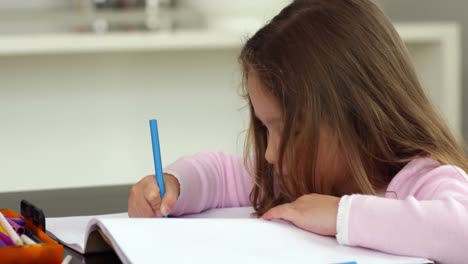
(344, 142)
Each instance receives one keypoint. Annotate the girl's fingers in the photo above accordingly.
(144, 210)
(284, 211)
(171, 195)
(151, 195)
(139, 207)
(145, 200)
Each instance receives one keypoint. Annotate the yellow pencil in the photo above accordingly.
(3, 230)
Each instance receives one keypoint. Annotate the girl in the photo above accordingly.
(344, 142)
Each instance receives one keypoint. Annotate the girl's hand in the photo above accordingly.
(314, 212)
(144, 200)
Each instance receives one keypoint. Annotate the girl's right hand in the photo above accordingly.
(144, 200)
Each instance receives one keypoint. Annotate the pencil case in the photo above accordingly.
(49, 251)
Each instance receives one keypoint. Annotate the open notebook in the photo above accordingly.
(219, 235)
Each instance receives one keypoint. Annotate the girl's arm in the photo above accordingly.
(432, 222)
(210, 180)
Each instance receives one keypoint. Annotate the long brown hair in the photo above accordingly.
(340, 63)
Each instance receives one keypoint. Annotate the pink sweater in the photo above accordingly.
(424, 212)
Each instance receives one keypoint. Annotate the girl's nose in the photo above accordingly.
(271, 153)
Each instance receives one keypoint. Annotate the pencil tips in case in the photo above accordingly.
(46, 251)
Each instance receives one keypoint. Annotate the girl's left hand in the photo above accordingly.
(313, 212)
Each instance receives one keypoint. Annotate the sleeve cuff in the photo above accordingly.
(342, 220)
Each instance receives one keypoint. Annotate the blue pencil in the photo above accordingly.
(157, 156)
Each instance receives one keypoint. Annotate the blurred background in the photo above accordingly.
(81, 78)
(423, 11)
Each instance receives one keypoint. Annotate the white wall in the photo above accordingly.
(436, 10)
(80, 120)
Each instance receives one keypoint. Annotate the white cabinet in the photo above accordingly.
(436, 52)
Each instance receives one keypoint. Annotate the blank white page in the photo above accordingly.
(73, 230)
(236, 241)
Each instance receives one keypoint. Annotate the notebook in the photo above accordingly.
(215, 236)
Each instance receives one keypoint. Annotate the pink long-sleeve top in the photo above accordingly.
(423, 213)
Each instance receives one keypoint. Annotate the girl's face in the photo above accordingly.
(268, 111)
(330, 163)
